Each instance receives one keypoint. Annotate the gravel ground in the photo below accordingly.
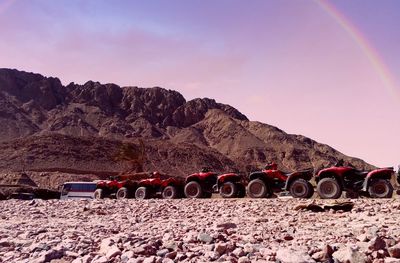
(204, 230)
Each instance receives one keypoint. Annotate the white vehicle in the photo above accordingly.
(78, 190)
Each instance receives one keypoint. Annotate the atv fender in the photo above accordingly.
(306, 175)
(257, 175)
(230, 177)
(324, 174)
(384, 173)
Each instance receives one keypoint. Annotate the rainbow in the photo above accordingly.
(369, 51)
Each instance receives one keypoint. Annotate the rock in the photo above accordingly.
(288, 237)
(204, 237)
(127, 255)
(362, 238)
(150, 259)
(171, 255)
(220, 248)
(162, 252)
(139, 250)
(167, 260)
(227, 225)
(392, 260)
(170, 245)
(100, 260)
(244, 260)
(377, 243)
(394, 251)
(286, 255)
(349, 254)
(105, 245)
(136, 260)
(113, 252)
(238, 252)
(249, 248)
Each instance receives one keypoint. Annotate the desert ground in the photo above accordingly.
(202, 230)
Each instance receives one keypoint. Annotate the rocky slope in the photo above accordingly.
(82, 128)
(203, 230)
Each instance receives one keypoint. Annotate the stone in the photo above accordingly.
(227, 225)
(349, 254)
(392, 260)
(220, 248)
(127, 255)
(113, 252)
(286, 255)
(162, 252)
(248, 248)
(171, 255)
(244, 260)
(394, 251)
(100, 260)
(239, 252)
(377, 243)
(150, 259)
(204, 237)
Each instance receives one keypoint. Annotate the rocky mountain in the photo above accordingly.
(104, 129)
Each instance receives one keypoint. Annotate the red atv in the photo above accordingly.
(118, 187)
(230, 186)
(205, 183)
(332, 181)
(169, 188)
(264, 183)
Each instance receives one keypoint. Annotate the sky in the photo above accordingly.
(329, 70)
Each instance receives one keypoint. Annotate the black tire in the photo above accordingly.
(170, 192)
(257, 189)
(193, 190)
(329, 188)
(380, 188)
(311, 193)
(142, 193)
(123, 193)
(99, 194)
(300, 188)
(241, 190)
(228, 190)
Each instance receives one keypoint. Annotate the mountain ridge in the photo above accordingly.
(39, 111)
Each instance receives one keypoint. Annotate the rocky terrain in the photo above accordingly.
(206, 230)
(99, 129)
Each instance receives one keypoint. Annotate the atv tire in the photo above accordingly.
(257, 189)
(99, 194)
(329, 188)
(380, 188)
(228, 190)
(300, 188)
(311, 193)
(170, 192)
(123, 193)
(142, 193)
(193, 190)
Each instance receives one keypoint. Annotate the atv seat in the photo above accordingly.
(288, 174)
(361, 173)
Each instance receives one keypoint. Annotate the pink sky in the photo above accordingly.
(285, 63)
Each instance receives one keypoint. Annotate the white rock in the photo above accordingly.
(113, 252)
(286, 255)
